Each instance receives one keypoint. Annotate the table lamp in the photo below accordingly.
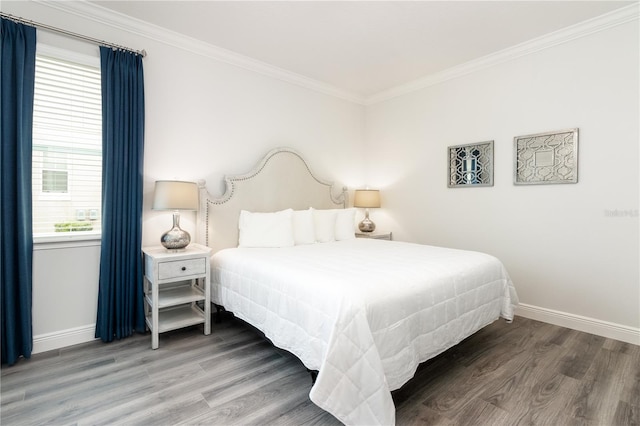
(367, 199)
(175, 195)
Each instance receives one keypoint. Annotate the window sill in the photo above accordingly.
(57, 241)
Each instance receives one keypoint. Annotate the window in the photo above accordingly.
(67, 148)
(55, 177)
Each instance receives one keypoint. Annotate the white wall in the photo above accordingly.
(566, 254)
(65, 293)
(204, 119)
(220, 119)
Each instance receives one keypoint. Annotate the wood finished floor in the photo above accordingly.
(524, 373)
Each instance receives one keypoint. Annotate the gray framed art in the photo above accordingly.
(471, 165)
(546, 158)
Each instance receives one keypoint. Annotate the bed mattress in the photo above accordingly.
(363, 312)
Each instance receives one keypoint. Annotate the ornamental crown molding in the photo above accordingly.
(581, 29)
(136, 26)
(123, 22)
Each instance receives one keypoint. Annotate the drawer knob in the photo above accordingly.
(184, 268)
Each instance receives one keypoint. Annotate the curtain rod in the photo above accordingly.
(19, 20)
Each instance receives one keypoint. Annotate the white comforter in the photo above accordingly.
(363, 312)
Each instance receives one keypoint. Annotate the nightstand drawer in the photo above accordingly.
(375, 235)
(181, 268)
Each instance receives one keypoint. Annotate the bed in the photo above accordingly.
(364, 313)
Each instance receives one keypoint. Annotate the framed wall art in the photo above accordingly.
(471, 165)
(546, 158)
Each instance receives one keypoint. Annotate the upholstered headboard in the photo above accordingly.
(281, 180)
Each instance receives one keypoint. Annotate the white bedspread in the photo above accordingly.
(363, 312)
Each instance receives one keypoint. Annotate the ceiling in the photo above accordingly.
(363, 47)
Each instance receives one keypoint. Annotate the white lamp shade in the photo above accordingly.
(366, 198)
(175, 195)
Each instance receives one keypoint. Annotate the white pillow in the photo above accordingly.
(265, 229)
(345, 224)
(324, 222)
(303, 228)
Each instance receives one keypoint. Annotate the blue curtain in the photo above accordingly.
(17, 74)
(120, 295)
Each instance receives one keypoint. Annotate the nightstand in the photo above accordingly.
(176, 289)
(375, 235)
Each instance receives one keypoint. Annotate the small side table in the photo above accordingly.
(375, 235)
(176, 283)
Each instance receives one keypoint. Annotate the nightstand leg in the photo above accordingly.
(207, 306)
(154, 340)
(155, 322)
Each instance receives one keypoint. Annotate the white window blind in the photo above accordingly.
(67, 148)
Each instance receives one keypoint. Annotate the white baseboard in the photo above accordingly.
(74, 336)
(577, 322)
(63, 338)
